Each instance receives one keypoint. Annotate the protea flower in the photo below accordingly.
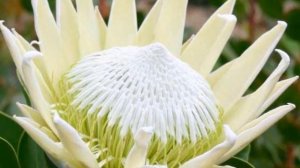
(118, 96)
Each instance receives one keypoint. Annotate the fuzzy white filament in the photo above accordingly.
(145, 86)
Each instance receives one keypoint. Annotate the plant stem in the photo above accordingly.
(252, 20)
(290, 161)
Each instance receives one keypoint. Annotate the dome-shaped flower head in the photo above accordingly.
(121, 96)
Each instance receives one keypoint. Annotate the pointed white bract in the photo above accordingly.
(137, 155)
(101, 27)
(34, 89)
(122, 26)
(51, 41)
(279, 88)
(209, 49)
(209, 158)
(255, 128)
(25, 48)
(170, 27)
(74, 144)
(111, 84)
(226, 8)
(247, 108)
(242, 71)
(66, 18)
(206, 47)
(53, 148)
(29, 112)
(146, 32)
(90, 40)
(15, 49)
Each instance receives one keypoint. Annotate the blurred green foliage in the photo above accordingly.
(278, 148)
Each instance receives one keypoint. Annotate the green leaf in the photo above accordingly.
(240, 9)
(217, 3)
(244, 154)
(239, 45)
(140, 17)
(239, 163)
(50, 164)
(275, 10)
(27, 5)
(297, 1)
(291, 46)
(292, 18)
(8, 157)
(30, 154)
(10, 130)
(292, 135)
(23, 89)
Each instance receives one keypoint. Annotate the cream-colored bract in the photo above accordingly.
(79, 51)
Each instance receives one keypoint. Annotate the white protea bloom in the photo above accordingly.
(118, 96)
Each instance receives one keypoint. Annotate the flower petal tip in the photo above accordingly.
(31, 55)
(229, 4)
(230, 135)
(34, 3)
(2, 26)
(284, 56)
(35, 42)
(291, 106)
(56, 119)
(148, 130)
(281, 52)
(19, 105)
(17, 119)
(295, 78)
(282, 23)
(228, 17)
(144, 135)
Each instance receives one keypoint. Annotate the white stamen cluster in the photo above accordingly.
(145, 86)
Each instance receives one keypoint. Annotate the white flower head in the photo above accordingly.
(121, 96)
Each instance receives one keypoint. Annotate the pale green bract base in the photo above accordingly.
(107, 144)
